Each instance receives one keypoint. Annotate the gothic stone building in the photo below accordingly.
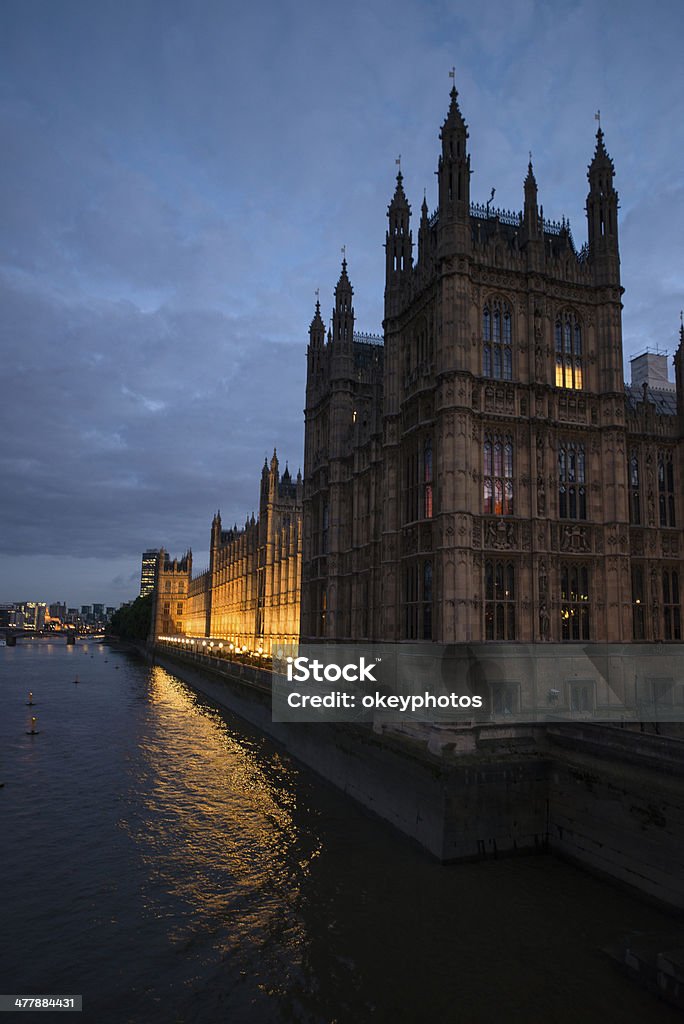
(250, 594)
(485, 475)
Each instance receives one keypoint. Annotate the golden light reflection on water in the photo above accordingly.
(219, 833)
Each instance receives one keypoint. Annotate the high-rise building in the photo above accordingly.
(148, 572)
(485, 475)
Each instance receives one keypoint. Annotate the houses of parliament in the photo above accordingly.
(480, 473)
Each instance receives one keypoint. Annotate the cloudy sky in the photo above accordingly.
(178, 178)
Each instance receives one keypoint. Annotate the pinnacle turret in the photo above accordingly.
(398, 239)
(602, 207)
(343, 316)
(317, 327)
(531, 214)
(453, 174)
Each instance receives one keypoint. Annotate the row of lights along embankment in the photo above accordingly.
(214, 648)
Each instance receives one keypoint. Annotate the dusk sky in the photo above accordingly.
(178, 178)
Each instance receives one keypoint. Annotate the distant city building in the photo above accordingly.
(98, 612)
(33, 614)
(86, 611)
(110, 611)
(148, 572)
(58, 611)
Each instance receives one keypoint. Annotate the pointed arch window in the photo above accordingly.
(499, 600)
(634, 488)
(666, 490)
(497, 345)
(418, 600)
(569, 358)
(572, 491)
(418, 481)
(497, 475)
(672, 616)
(575, 601)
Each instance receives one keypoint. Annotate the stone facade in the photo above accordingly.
(485, 475)
(170, 594)
(250, 594)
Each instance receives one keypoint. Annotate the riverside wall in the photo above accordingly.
(610, 800)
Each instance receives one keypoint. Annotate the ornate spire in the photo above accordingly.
(453, 173)
(317, 327)
(454, 118)
(343, 316)
(531, 217)
(601, 168)
(399, 200)
(398, 246)
(602, 207)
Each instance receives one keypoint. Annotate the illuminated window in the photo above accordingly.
(497, 358)
(572, 494)
(499, 600)
(569, 365)
(574, 601)
(498, 475)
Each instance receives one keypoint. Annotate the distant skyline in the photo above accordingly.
(179, 180)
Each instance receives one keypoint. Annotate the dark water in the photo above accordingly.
(162, 860)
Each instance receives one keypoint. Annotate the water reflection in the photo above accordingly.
(219, 835)
(174, 866)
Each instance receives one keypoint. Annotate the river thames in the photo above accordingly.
(167, 863)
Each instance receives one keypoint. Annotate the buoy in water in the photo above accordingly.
(30, 701)
(76, 679)
(33, 731)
